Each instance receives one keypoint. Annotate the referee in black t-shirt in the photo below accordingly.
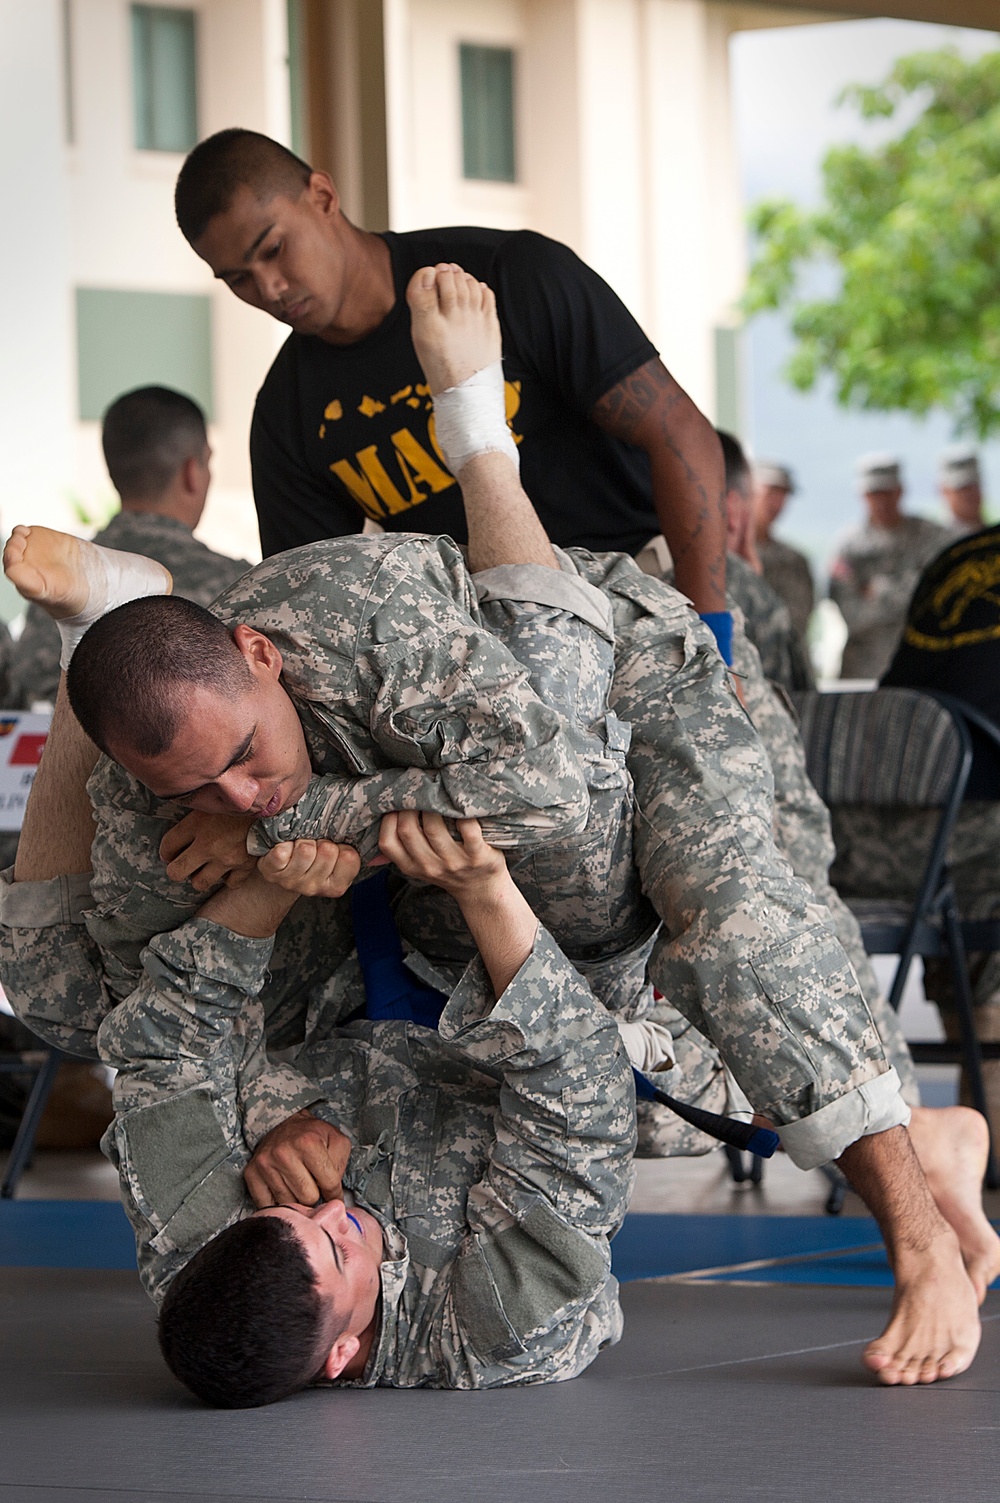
(612, 450)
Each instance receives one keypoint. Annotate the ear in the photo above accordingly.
(343, 1351)
(260, 653)
(322, 191)
(190, 477)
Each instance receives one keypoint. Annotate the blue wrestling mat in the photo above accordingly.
(65, 1234)
(841, 1250)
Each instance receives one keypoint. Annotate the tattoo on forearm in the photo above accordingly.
(650, 409)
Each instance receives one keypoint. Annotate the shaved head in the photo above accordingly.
(217, 168)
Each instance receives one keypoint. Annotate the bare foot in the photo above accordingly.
(934, 1328)
(454, 325)
(47, 567)
(952, 1144)
(68, 576)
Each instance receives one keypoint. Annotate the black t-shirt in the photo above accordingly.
(341, 431)
(951, 642)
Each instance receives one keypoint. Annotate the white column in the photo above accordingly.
(37, 372)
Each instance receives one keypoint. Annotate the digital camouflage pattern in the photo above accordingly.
(496, 1154)
(744, 953)
(198, 573)
(871, 581)
(768, 624)
(803, 835)
(789, 574)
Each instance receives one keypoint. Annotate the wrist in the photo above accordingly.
(254, 909)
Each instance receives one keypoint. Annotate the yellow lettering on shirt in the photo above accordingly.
(369, 406)
(413, 456)
(398, 396)
(333, 411)
(511, 402)
(372, 485)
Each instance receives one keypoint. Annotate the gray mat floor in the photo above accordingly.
(717, 1394)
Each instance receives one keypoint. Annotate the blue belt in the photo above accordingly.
(391, 991)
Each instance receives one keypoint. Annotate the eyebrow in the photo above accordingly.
(247, 255)
(237, 756)
(333, 1246)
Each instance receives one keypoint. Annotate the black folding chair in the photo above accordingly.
(40, 1067)
(899, 748)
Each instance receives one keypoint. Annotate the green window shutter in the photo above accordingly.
(488, 146)
(129, 339)
(164, 78)
(296, 77)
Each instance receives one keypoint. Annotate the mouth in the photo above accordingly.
(294, 311)
(271, 807)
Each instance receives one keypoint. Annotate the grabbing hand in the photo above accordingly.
(422, 846)
(312, 868)
(299, 1162)
(206, 849)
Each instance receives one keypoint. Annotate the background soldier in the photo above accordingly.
(961, 487)
(157, 454)
(877, 568)
(786, 570)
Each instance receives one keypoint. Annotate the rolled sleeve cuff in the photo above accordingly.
(44, 905)
(203, 956)
(561, 589)
(870, 1108)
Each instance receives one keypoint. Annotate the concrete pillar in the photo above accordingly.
(37, 372)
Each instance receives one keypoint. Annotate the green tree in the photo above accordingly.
(912, 230)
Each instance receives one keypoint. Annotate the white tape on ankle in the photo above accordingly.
(113, 578)
(471, 419)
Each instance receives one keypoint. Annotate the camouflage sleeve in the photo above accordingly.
(531, 1287)
(883, 601)
(466, 737)
(188, 1048)
(51, 969)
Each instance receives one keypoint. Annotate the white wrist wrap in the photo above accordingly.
(113, 579)
(471, 419)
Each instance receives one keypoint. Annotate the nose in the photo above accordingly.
(237, 790)
(332, 1214)
(271, 283)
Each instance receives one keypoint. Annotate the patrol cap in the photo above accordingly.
(878, 472)
(769, 472)
(958, 466)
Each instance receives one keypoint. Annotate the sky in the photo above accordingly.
(785, 82)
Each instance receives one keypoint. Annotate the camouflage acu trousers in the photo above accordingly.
(744, 951)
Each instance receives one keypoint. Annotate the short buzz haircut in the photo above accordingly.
(126, 679)
(243, 1323)
(232, 159)
(738, 472)
(147, 435)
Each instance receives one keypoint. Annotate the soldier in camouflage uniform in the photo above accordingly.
(489, 1163)
(786, 570)
(766, 619)
(157, 453)
(875, 573)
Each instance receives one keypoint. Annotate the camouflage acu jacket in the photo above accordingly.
(496, 1154)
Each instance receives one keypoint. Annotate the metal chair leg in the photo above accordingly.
(736, 1169)
(24, 1142)
(839, 1187)
(971, 1056)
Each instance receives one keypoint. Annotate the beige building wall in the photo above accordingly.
(625, 148)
